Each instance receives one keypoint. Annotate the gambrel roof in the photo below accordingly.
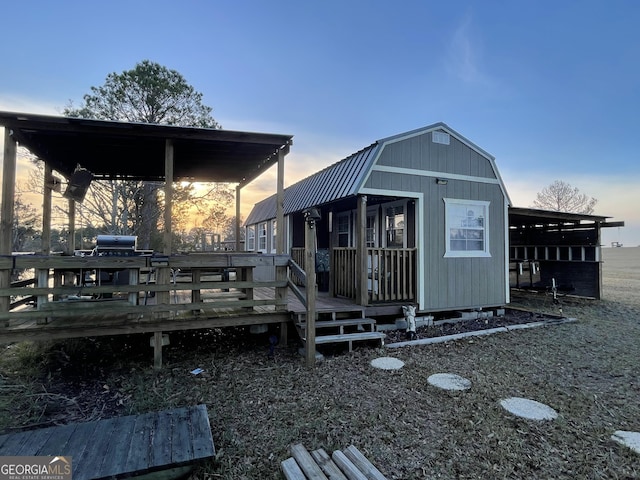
(345, 178)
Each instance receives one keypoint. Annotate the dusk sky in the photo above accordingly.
(550, 88)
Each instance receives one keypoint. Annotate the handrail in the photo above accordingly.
(298, 271)
(301, 275)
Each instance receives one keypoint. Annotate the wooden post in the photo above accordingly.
(168, 194)
(46, 210)
(310, 269)
(163, 274)
(238, 218)
(71, 239)
(362, 292)
(157, 350)
(280, 205)
(6, 220)
(598, 258)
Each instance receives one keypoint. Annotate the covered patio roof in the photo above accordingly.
(522, 217)
(135, 151)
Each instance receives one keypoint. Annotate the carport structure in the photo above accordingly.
(558, 250)
(134, 151)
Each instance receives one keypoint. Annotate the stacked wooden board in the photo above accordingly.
(347, 464)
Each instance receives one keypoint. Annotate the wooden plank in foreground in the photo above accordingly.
(327, 465)
(365, 466)
(291, 469)
(347, 466)
(123, 446)
(306, 463)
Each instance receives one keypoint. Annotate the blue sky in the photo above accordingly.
(550, 88)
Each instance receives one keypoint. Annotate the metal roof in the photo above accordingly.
(136, 151)
(344, 179)
(337, 181)
(530, 216)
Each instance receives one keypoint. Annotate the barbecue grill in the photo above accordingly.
(118, 246)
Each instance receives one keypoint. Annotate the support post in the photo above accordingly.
(163, 274)
(45, 247)
(168, 194)
(310, 269)
(280, 205)
(362, 292)
(71, 239)
(6, 220)
(237, 218)
(157, 350)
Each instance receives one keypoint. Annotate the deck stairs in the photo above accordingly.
(340, 325)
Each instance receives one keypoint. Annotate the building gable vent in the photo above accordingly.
(441, 137)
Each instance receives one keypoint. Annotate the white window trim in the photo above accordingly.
(447, 237)
(348, 216)
(251, 238)
(374, 212)
(383, 222)
(274, 230)
(260, 236)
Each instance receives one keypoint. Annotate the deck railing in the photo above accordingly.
(140, 288)
(391, 273)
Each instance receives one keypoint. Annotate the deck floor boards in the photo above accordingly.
(88, 324)
(122, 446)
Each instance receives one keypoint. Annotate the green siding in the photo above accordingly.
(420, 153)
(450, 283)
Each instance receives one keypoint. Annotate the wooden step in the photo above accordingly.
(339, 323)
(333, 313)
(350, 338)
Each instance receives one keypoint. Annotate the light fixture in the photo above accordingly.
(442, 181)
(311, 215)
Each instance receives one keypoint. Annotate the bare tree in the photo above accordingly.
(562, 197)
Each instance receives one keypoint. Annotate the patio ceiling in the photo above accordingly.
(136, 151)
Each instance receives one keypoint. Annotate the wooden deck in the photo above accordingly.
(123, 446)
(80, 319)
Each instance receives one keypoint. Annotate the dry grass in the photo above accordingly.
(586, 370)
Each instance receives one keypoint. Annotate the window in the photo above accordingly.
(343, 230)
(274, 232)
(395, 226)
(467, 223)
(262, 237)
(371, 230)
(251, 238)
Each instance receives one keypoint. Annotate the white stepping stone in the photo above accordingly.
(449, 381)
(387, 363)
(529, 409)
(628, 439)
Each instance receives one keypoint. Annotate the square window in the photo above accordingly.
(467, 223)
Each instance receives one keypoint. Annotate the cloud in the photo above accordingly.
(20, 103)
(464, 55)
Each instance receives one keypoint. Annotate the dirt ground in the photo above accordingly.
(587, 371)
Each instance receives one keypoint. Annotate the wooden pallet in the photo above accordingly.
(169, 441)
(347, 464)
